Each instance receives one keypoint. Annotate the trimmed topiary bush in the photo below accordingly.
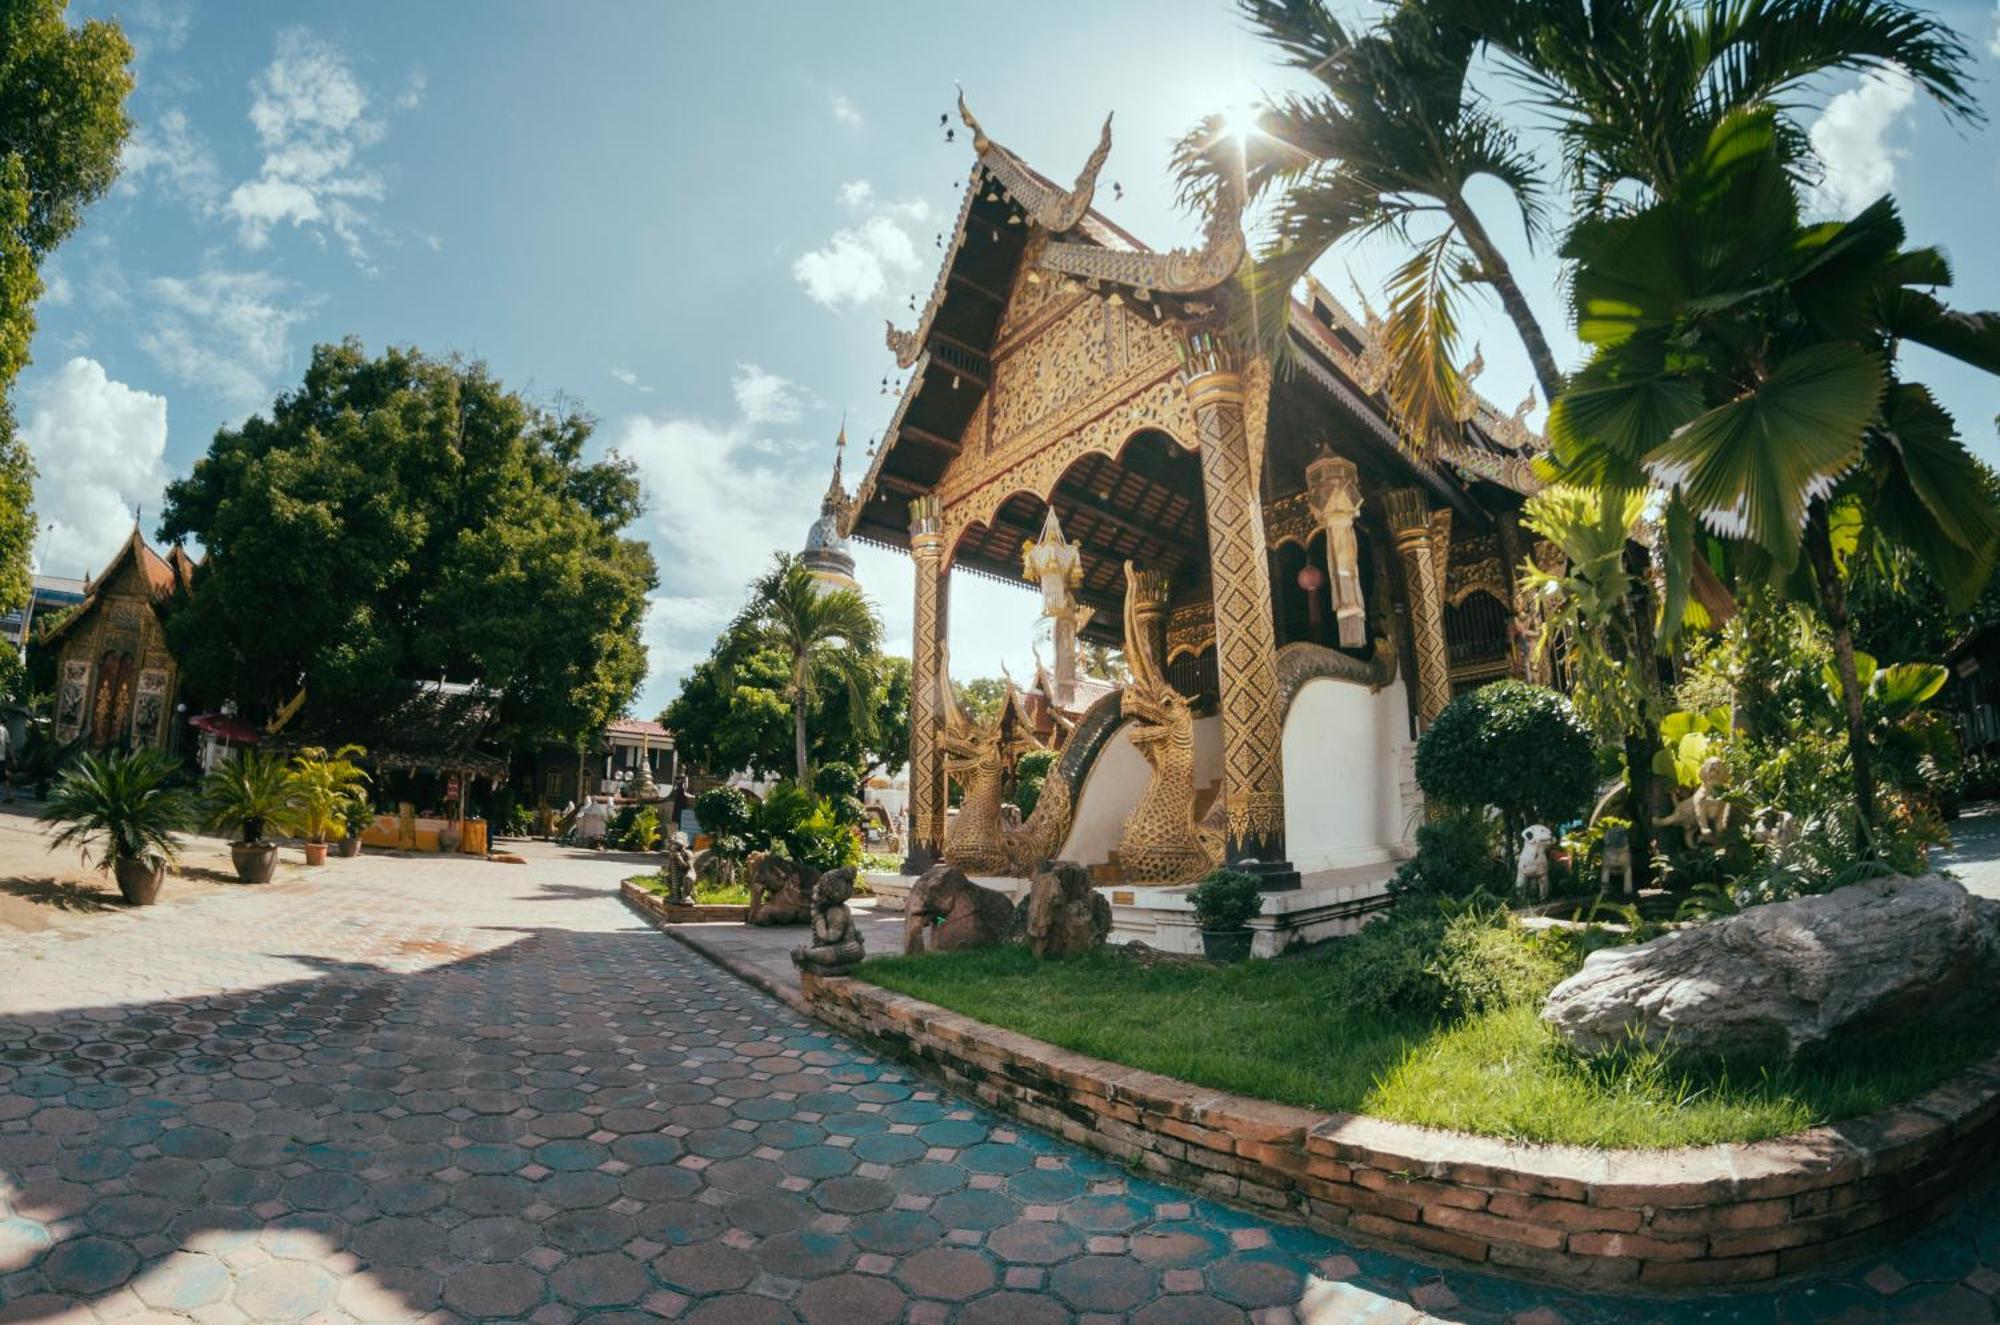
(1518, 748)
(1226, 899)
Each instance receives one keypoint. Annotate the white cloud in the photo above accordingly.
(225, 331)
(56, 289)
(99, 449)
(870, 261)
(846, 111)
(1993, 46)
(412, 94)
(1851, 139)
(766, 397)
(631, 379)
(311, 117)
(176, 155)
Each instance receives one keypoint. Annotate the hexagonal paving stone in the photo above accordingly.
(601, 1280)
(1103, 1283)
(847, 1298)
(87, 1267)
(1256, 1280)
(493, 1290)
(742, 1309)
(804, 1254)
(1035, 1242)
(947, 1272)
(496, 1238)
(183, 1281)
(283, 1290)
(705, 1267)
(398, 1241)
(852, 1196)
(1012, 1308)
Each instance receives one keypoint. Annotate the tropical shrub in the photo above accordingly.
(1518, 748)
(1458, 855)
(839, 784)
(1386, 968)
(119, 807)
(726, 815)
(1486, 961)
(1031, 770)
(248, 794)
(322, 783)
(1226, 899)
(635, 828)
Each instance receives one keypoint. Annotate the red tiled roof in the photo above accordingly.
(635, 727)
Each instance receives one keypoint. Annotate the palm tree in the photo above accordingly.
(1388, 142)
(825, 634)
(1745, 364)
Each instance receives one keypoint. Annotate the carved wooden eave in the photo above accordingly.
(1055, 210)
(1179, 271)
(864, 491)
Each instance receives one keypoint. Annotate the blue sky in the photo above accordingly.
(692, 221)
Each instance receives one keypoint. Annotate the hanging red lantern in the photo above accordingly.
(1311, 578)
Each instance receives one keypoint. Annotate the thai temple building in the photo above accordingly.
(1297, 587)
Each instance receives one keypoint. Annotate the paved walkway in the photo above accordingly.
(401, 1088)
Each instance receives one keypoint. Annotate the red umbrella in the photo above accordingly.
(225, 727)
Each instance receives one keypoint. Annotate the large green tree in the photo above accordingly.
(62, 122)
(405, 516)
(734, 713)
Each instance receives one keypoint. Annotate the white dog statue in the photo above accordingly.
(1536, 839)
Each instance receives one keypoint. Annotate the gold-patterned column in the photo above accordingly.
(1412, 523)
(927, 681)
(1246, 651)
(1333, 489)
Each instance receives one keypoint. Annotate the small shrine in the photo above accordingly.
(1297, 588)
(116, 681)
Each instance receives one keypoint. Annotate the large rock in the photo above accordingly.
(1780, 979)
(780, 890)
(1062, 915)
(947, 912)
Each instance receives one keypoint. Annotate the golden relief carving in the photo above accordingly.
(1083, 381)
(908, 345)
(927, 796)
(1190, 629)
(1047, 206)
(1245, 640)
(1161, 843)
(1182, 271)
(977, 755)
(1476, 566)
(1290, 520)
(1414, 526)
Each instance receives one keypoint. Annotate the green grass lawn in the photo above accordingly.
(705, 894)
(1273, 1029)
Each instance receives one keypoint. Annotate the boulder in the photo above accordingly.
(780, 890)
(947, 912)
(1062, 915)
(1778, 980)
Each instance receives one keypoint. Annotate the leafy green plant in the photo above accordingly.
(727, 816)
(1385, 968)
(1031, 770)
(1519, 748)
(1458, 855)
(323, 783)
(120, 807)
(1226, 899)
(248, 794)
(357, 815)
(1486, 961)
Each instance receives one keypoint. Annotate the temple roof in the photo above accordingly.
(1009, 214)
(164, 576)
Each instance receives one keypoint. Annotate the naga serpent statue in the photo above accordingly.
(977, 756)
(1162, 844)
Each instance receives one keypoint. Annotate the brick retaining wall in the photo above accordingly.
(1635, 1221)
(660, 909)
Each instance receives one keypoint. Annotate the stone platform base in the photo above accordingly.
(1328, 904)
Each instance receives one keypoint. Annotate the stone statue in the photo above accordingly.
(836, 946)
(1062, 915)
(1161, 843)
(947, 912)
(1776, 830)
(591, 819)
(1704, 816)
(679, 870)
(1617, 858)
(780, 891)
(1533, 868)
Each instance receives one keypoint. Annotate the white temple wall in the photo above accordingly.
(1344, 751)
(1116, 781)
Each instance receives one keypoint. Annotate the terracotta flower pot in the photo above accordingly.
(348, 847)
(315, 853)
(254, 861)
(139, 880)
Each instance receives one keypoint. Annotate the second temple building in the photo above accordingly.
(1297, 588)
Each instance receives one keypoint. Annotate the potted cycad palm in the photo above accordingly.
(323, 784)
(123, 810)
(1223, 904)
(248, 796)
(355, 817)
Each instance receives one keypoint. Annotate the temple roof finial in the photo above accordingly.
(836, 490)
